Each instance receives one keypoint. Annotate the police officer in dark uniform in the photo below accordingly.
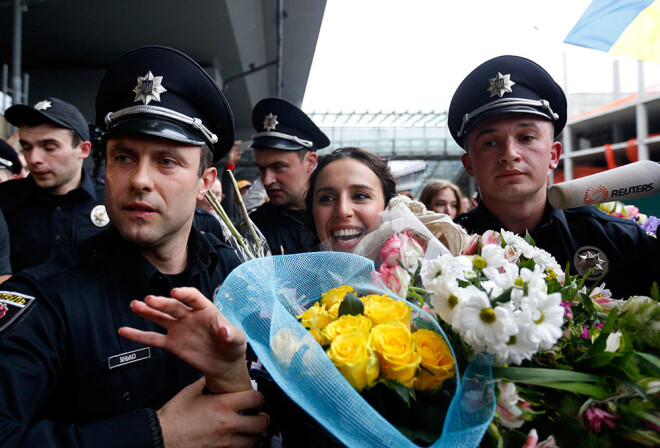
(285, 152)
(68, 378)
(506, 114)
(58, 204)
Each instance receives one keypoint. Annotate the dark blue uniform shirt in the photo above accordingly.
(42, 225)
(67, 378)
(633, 255)
(284, 229)
(5, 264)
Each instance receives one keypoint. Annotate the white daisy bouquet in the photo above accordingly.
(500, 297)
(586, 366)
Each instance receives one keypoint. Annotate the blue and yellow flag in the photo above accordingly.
(625, 28)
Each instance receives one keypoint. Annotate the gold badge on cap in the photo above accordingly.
(270, 121)
(589, 257)
(500, 85)
(43, 105)
(99, 216)
(148, 88)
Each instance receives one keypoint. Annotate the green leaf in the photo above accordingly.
(405, 393)
(494, 433)
(590, 390)
(351, 305)
(504, 297)
(529, 239)
(601, 340)
(655, 291)
(650, 358)
(525, 374)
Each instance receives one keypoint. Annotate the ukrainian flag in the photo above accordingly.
(625, 28)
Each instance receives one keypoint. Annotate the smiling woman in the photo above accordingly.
(347, 192)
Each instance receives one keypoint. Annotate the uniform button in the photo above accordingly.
(57, 237)
(126, 396)
(58, 208)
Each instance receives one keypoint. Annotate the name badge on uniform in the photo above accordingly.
(129, 357)
(12, 305)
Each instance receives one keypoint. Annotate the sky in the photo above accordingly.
(410, 55)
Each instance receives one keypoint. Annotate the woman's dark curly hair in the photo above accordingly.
(371, 160)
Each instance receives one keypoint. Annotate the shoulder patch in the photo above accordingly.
(12, 305)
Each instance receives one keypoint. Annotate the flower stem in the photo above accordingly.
(213, 200)
(246, 217)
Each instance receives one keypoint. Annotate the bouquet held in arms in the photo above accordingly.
(586, 371)
(400, 369)
(369, 367)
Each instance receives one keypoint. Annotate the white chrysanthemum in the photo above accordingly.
(534, 279)
(517, 349)
(482, 324)
(507, 278)
(446, 299)
(490, 260)
(447, 267)
(518, 243)
(544, 259)
(492, 288)
(547, 317)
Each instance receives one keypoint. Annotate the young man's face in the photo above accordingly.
(54, 163)
(151, 188)
(285, 176)
(510, 156)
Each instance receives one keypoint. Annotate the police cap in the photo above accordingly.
(9, 158)
(506, 84)
(162, 92)
(281, 125)
(50, 110)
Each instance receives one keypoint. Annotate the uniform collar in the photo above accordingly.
(483, 219)
(145, 277)
(86, 185)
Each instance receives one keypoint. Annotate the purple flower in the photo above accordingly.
(568, 313)
(651, 225)
(593, 418)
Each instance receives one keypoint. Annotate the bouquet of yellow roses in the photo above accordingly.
(371, 342)
(375, 343)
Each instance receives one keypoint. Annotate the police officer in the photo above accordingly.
(10, 165)
(68, 379)
(285, 152)
(58, 204)
(507, 114)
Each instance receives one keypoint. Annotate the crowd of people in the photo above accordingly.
(107, 336)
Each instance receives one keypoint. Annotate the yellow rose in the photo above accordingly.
(383, 309)
(393, 344)
(316, 317)
(347, 324)
(437, 361)
(351, 354)
(318, 336)
(333, 298)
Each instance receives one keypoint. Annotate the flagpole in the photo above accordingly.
(641, 116)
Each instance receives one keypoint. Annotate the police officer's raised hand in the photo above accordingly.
(197, 333)
(192, 419)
